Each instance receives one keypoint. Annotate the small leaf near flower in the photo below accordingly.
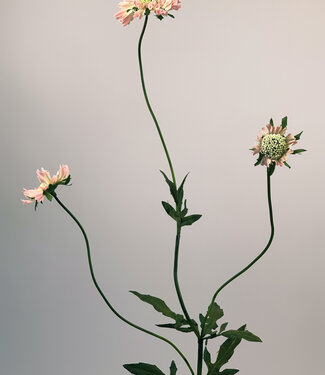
(271, 122)
(299, 151)
(298, 136)
(287, 165)
(284, 122)
(258, 161)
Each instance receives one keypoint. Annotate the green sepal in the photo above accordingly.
(170, 15)
(66, 181)
(215, 314)
(271, 169)
(189, 220)
(298, 136)
(170, 210)
(271, 122)
(299, 151)
(172, 187)
(36, 204)
(160, 17)
(284, 122)
(173, 368)
(230, 371)
(147, 12)
(287, 165)
(245, 335)
(143, 369)
(226, 351)
(259, 159)
(159, 305)
(48, 195)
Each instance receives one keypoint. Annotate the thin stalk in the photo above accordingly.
(199, 356)
(255, 260)
(178, 291)
(148, 103)
(103, 295)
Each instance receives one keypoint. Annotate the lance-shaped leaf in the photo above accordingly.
(230, 371)
(284, 122)
(159, 305)
(172, 187)
(143, 369)
(259, 159)
(170, 210)
(181, 326)
(299, 151)
(173, 368)
(298, 136)
(185, 210)
(215, 314)
(226, 351)
(189, 220)
(245, 335)
(180, 192)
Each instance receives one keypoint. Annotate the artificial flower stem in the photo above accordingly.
(199, 356)
(178, 291)
(148, 103)
(103, 295)
(269, 172)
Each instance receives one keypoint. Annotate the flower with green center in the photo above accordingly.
(273, 146)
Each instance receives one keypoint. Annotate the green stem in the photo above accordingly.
(255, 260)
(103, 295)
(178, 291)
(199, 356)
(148, 103)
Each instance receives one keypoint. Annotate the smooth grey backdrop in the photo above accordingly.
(70, 93)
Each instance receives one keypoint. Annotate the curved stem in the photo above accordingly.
(178, 291)
(255, 260)
(103, 295)
(148, 103)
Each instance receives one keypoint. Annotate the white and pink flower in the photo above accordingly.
(47, 185)
(139, 8)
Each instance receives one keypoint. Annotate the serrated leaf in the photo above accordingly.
(230, 371)
(189, 220)
(223, 327)
(207, 357)
(172, 187)
(245, 335)
(143, 369)
(159, 305)
(226, 351)
(271, 122)
(170, 210)
(298, 136)
(287, 165)
(173, 368)
(259, 159)
(284, 122)
(299, 151)
(215, 314)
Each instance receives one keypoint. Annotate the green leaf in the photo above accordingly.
(143, 369)
(170, 15)
(226, 351)
(259, 159)
(173, 368)
(271, 169)
(286, 164)
(189, 220)
(215, 314)
(284, 122)
(229, 372)
(299, 151)
(298, 136)
(271, 122)
(177, 326)
(245, 335)
(170, 210)
(172, 187)
(207, 357)
(180, 191)
(159, 305)
(223, 327)
(185, 210)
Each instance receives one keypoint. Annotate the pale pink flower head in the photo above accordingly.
(273, 146)
(139, 8)
(47, 185)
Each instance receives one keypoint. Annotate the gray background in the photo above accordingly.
(70, 93)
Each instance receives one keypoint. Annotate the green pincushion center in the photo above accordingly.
(274, 146)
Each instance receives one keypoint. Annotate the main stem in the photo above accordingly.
(178, 291)
(148, 103)
(103, 295)
(199, 356)
(255, 260)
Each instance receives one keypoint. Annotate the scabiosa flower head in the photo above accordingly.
(139, 8)
(47, 185)
(273, 146)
